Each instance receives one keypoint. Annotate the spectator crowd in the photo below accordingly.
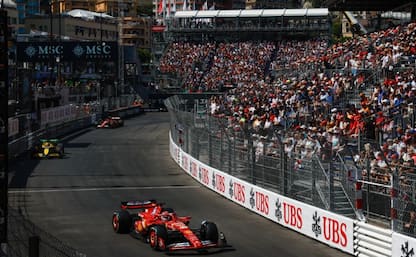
(322, 96)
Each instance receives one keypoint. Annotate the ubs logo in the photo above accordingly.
(278, 212)
(316, 226)
(252, 201)
(406, 252)
(231, 190)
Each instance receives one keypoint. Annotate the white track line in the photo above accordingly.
(96, 189)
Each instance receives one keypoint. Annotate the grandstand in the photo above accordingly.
(261, 24)
(367, 5)
(349, 104)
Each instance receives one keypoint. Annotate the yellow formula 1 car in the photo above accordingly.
(48, 148)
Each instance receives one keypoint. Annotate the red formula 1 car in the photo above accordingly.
(111, 122)
(164, 230)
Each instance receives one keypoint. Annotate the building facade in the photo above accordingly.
(73, 28)
(134, 30)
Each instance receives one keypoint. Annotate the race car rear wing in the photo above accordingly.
(137, 204)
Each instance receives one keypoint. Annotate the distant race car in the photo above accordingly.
(111, 122)
(164, 230)
(48, 148)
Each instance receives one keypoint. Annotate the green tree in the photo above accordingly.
(144, 55)
(316, 3)
(337, 31)
(145, 9)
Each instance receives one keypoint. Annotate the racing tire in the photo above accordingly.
(158, 236)
(209, 231)
(121, 222)
(60, 150)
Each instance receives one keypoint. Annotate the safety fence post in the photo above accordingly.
(34, 246)
(394, 199)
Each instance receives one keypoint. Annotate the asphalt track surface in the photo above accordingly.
(73, 198)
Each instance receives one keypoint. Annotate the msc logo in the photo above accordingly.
(98, 49)
(30, 51)
(78, 51)
(316, 225)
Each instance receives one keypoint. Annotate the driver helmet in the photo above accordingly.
(165, 216)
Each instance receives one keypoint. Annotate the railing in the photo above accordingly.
(22, 233)
(23, 144)
(24, 238)
(371, 240)
(259, 157)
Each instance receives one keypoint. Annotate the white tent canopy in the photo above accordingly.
(79, 13)
(253, 13)
(8, 4)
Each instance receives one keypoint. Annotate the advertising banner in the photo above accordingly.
(58, 114)
(67, 51)
(403, 246)
(324, 226)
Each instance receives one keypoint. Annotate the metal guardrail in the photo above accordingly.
(23, 144)
(371, 240)
(23, 235)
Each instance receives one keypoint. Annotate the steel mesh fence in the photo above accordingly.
(20, 230)
(323, 180)
(259, 156)
(406, 206)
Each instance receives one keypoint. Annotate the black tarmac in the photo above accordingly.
(74, 198)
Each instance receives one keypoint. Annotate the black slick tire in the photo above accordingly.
(121, 222)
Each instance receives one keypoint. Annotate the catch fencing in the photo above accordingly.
(337, 181)
(260, 158)
(25, 238)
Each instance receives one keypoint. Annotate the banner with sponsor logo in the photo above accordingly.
(403, 246)
(324, 226)
(58, 114)
(67, 51)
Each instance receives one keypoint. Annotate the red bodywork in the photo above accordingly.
(110, 122)
(154, 214)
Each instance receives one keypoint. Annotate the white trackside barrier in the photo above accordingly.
(351, 236)
(403, 246)
(372, 241)
(326, 227)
